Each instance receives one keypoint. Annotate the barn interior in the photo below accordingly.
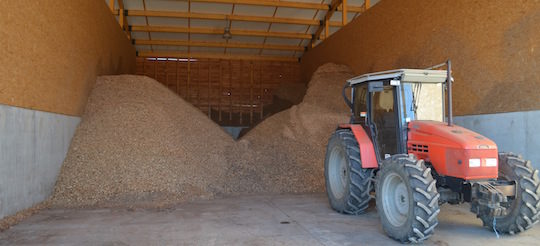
(206, 122)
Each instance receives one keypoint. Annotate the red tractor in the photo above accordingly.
(398, 145)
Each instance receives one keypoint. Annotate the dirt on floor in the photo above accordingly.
(141, 145)
(7, 222)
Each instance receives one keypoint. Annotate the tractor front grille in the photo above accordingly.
(420, 148)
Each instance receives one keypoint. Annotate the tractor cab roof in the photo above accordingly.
(404, 75)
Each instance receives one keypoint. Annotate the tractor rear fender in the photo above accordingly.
(367, 152)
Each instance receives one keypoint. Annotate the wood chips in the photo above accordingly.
(140, 145)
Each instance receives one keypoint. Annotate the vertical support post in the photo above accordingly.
(144, 66)
(209, 91)
(167, 72)
(367, 4)
(220, 95)
(155, 68)
(199, 84)
(251, 103)
(261, 106)
(230, 92)
(344, 12)
(449, 91)
(240, 89)
(326, 28)
(177, 63)
(188, 78)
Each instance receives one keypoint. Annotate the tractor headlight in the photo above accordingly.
(491, 162)
(474, 162)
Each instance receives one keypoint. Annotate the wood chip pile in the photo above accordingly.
(285, 152)
(139, 144)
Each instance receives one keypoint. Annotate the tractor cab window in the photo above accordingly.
(360, 103)
(423, 101)
(384, 118)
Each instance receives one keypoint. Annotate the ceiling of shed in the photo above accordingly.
(260, 29)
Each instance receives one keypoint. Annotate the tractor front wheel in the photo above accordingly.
(407, 199)
(347, 184)
(523, 210)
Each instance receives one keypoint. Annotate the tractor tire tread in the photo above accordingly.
(360, 183)
(425, 197)
(529, 187)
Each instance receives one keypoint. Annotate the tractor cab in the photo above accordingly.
(386, 102)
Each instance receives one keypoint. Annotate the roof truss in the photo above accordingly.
(317, 28)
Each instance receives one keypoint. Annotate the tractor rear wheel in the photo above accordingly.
(523, 209)
(407, 199)
(347, 184)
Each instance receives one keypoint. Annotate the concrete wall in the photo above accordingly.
(33, 145)
(52, 52)
(513, 132)
(494, 46)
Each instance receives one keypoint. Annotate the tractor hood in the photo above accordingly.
(453, 150)
(452, 136)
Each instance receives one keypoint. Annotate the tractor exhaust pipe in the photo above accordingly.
(449, 91)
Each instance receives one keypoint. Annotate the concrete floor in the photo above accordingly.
(246, 220)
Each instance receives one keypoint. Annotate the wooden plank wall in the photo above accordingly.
(231, 92)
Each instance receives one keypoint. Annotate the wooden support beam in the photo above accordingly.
(155, 69)
(209, 91)
(177, 77)
(146, 21)
(326, 29)
(188, 79)
(344, 12)
(111, 5)
(121, 4)
(239, 100)
(166, 73)
(273, 3)
(143, 66)
(199, 83)
(261, 106)
(219, 31)
(206, 16)
(123, 19)
(367, 5)
(251, 102)
(220, 95)
(333, 7)
(218, 44)
(353, 9)
(269, 3)
(216, 56)
(230, 90)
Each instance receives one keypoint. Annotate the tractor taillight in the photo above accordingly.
(474, 162)
(491, 162)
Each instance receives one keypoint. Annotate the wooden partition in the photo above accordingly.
(231, 92)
